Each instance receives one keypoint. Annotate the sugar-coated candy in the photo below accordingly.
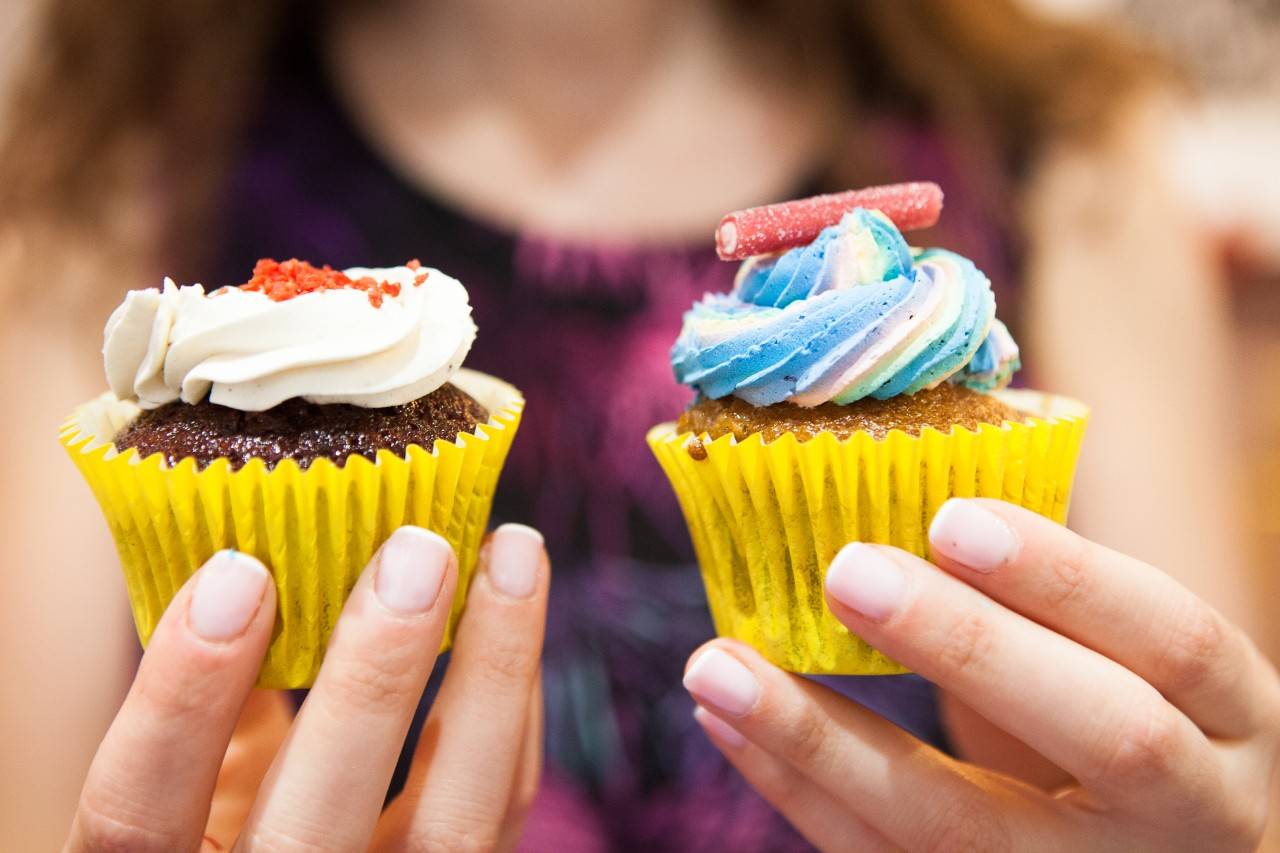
(775, 227)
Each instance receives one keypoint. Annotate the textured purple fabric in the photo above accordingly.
(584, 331)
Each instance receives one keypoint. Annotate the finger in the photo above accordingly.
(1087, 714)
(972, 737)
(326, 787)
(823, 821)
(1131, 612)
(464, 768)
(151, 782)
(904, 789)
(528, 774)
(264, 723)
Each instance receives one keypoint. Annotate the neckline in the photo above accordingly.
(312, 69)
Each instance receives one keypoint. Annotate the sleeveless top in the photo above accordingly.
(584, 330)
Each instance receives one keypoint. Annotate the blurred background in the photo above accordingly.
(1214, 144)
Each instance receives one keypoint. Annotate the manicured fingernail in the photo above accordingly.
(227, 595)
(973, 536)
(411, 568)
(718, 728)
(864, 579)
(515, 552)
(719, 679)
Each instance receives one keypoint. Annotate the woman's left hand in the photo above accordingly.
(1163, 718)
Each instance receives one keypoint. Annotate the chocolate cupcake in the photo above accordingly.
(300, 417)
(299, 430)
(297, 363)
(845, 389)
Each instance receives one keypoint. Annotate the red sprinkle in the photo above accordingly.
(281, 280)
(774, 227)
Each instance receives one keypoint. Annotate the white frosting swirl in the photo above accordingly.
(246, 351)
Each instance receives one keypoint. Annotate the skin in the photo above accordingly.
(160, 780)
(1146, 282)
(1163, 718)
(569, 141)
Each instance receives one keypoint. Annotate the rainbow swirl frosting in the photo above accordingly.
(856, 313)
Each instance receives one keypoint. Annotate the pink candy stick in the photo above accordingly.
(774, 227)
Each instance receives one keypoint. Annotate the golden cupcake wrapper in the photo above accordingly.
(314, 528)
(766, 519)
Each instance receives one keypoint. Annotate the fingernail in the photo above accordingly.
(719, 679)
(227, 595)
(864, 579)
(411, 568)
(718, 728)
(974, 536)
(515, 552)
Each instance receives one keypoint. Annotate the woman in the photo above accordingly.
(566, 161)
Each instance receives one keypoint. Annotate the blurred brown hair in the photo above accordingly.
(127, 111)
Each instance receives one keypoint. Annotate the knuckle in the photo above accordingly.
(1142, 747)
(808, 737)
(524, 793)
(274, 839)
(103, 829)
(1248, 822)
(518, 814)
(196, 695)
(1193, 653)
(508, 662)
(1241, 824)
(439, 832)
(966, 644)
(529, 789)
(1068, 575)
(523, 801)
(966, 824)
(1263, 676)
(373, 684)
(1271, 700)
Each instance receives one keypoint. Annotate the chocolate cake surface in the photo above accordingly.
(299, 430)
(941, 408)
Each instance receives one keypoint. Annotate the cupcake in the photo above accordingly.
(300, 417)
(845, 389)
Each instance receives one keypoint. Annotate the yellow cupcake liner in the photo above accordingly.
(766, 519)
(314, 528)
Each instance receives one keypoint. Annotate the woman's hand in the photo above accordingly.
(1163, 718)
(318, 781)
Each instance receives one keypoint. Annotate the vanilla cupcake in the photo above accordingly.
(846, 388)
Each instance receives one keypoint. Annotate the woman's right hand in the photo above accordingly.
(159, 780)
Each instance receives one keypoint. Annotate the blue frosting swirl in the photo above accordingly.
(856, 313)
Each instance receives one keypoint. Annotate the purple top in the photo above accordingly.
(626, 765)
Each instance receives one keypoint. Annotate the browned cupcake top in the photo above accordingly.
(299, 430)
(942, 408)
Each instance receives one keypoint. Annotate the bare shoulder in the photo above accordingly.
(65, 631)
(49, 362)
(1126, 308)
(1118, 183)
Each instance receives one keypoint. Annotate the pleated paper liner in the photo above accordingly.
(314, 528)
(767, 519)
